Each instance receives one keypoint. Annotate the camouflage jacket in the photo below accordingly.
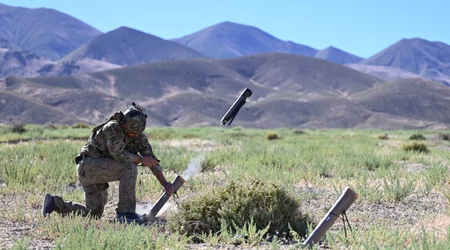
(109, 140)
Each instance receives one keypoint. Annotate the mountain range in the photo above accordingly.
(70, 72)
(427, 59)
(46, 32)
(126, 46)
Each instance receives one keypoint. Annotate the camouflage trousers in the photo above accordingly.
(94, 175)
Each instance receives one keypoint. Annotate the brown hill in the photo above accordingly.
(191, 109)
(427, 59)
(386, 73)
(416, 98)
(320, 113)
(292, 73)
(87, 106)
(288, 91)
(266, 74)
(15, 109)
(19, 63)
(153, 81)
(327, 113)
(126, 46)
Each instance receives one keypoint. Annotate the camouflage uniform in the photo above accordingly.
(107, 156)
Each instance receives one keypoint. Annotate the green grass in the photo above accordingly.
(314, 166)
(37, 132)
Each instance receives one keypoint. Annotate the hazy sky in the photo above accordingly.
(363, 27)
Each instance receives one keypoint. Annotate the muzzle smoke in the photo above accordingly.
(194, 167)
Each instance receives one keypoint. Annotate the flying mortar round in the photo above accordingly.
(234, 109)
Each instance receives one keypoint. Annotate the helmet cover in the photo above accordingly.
(135, 120)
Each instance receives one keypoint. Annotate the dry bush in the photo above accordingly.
(80, 125)
(383, 137)
(417, 137)
(299, 132)
(235, 205)
(444, 136)
(415, 146)
(18, 128)
(271, 136)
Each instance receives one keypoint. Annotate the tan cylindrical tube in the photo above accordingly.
(237, 105)
(177, 182)
(342, 204)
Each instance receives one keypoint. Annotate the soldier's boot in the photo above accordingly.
(129, 217)
(49, 205)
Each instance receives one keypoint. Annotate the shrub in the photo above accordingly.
(418, 147)
(80, 125)
(417, 137)
(19, 128)
(272, 136)
(299, 132)
(263, 204)
(383, 137)
(444, 137)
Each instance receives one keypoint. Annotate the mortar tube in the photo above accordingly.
(177, 182)
(237, 105)
(341, 206)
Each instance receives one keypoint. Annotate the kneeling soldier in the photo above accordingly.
(112, 153)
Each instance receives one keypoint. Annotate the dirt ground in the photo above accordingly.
(417, 210)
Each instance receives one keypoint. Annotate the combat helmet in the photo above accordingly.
(135, 119)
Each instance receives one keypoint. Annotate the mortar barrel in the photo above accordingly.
(177, 182)
(237, 105)
(341, 206)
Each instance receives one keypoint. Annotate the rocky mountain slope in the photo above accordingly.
(21, 63)
(46, 32)
(228, 40)
(338, 56)
(386, 73)
(127, 46)
(288, 91)
(65, 71)
(427, 59)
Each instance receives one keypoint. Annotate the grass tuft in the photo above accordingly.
(383, 136)
(417, 137)
(271, 136)
(416, 147)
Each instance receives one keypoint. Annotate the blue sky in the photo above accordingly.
(362, 28)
